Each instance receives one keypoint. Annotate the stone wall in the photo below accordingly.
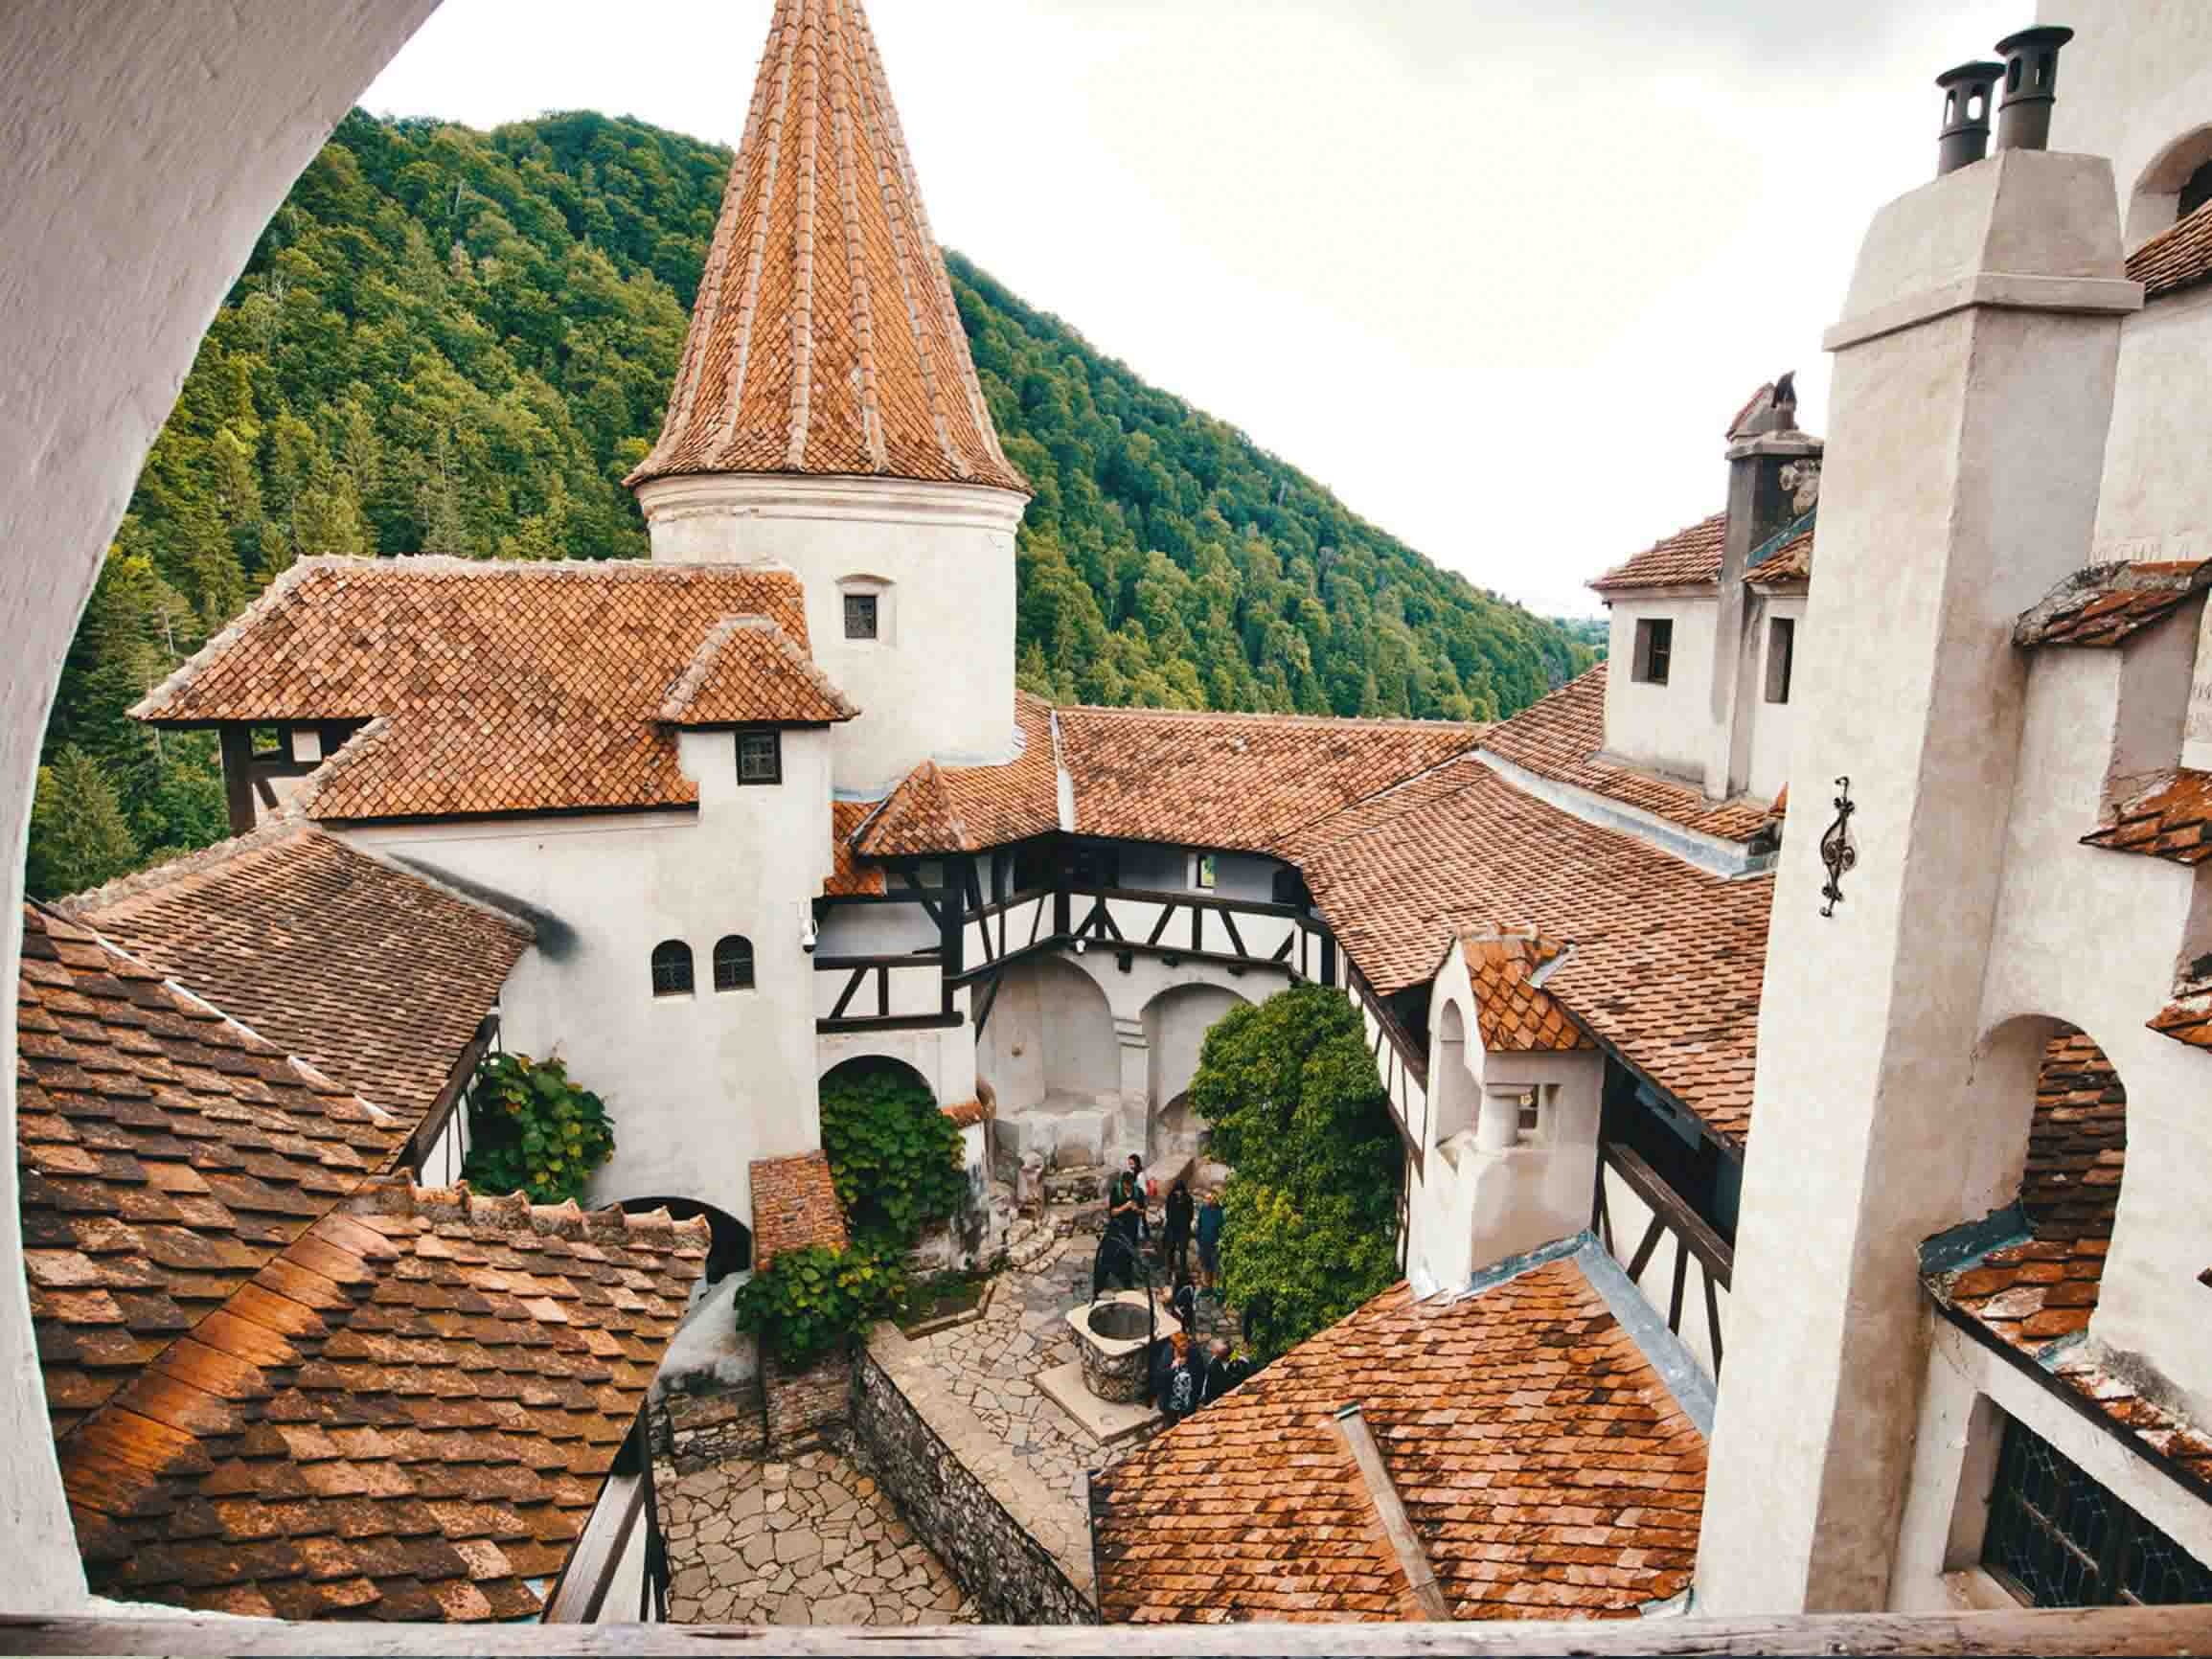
(959, 1487)
(696, 1431)
(802, 1403)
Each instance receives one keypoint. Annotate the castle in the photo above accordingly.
(1882, 832)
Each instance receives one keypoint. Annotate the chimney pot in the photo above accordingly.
(2030, 87)
(1966, 102)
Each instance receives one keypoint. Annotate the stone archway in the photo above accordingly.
(152, 140)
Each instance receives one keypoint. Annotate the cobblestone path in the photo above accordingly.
(807, 1542)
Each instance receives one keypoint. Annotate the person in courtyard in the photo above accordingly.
(1176, 1232)
(1209, 1236)
(1185, 1302)
(1179, 1395)
(1125, 1206)
(1223, 1373)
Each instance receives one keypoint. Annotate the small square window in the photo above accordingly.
(760, 756)
(859, 616)
(1654, 649)
(1781, 654)
(1203, 872)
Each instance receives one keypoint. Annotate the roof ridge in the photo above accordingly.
(515, 1212)
(1363, 722)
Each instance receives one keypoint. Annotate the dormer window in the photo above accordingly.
(760, 756)
(1654, 649)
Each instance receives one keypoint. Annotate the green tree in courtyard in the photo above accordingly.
(1297, 1110)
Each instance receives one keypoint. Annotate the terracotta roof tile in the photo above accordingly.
(1563, 737)
(488, 686)
(2188, 1017)
(1688, 558)
(1667, 961)
(747, 671)
(1788, 563)
(2166, 815)
(1545, 1468)
(2178, 256)
(967, 808)
(375, 976)
(794, 1206)
(1241, 782)
(1513, 1012)
(167, 1155)
(375, 1452)
(849, 874)
(2108, 604)
(825, 339)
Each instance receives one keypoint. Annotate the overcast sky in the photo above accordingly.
(1496, 272)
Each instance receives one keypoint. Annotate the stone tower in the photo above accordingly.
(827, 414)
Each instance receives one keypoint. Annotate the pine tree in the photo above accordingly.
(78, 836)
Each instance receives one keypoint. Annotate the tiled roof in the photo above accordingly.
(490, 687)
(2106, 604)
(1242, 782)
(2166, 815)
(166, 1155)
(2038, 1293)
(1563, 737)
(1512, 1013)
(1790, 562)
(825, 339)
(1546, 1469)
(747, 671)
(794, 1206)
(967, 808)
(2044, 1287)
(2178, 256)
(375, 976)
(849, 875)
(1667, 960)
(407, 1416)
(1690, 557)
(2188, 1017)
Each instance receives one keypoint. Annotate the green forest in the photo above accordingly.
(458, 342)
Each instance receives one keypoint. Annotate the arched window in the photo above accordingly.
(672, 968)
(734, 964)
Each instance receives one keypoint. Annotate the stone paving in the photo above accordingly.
(811, 1541)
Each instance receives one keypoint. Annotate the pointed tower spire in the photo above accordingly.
(825, 340)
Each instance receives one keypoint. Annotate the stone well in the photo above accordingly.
(1113, 1338)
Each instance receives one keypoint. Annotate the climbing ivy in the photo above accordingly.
(894, 1157)
(533, 1130)
(809, 1303)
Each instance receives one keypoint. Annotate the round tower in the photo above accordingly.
(826, 416)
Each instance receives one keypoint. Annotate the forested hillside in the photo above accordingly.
(450, 341)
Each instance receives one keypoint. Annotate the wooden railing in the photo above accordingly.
(2097, 1630)
(1694, 1240)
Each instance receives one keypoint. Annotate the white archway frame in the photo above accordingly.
(151, 140)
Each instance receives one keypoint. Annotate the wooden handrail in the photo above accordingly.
(1705, 1244)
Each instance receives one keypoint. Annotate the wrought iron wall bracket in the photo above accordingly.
(1835, 849)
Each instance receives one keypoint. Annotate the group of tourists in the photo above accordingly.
(1187, 1373)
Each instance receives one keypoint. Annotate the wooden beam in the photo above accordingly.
(2033, 1631)
(237, 746)
(1665, 1203)
(896, 1022)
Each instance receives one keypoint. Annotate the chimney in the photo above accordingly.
(1763, 443)
(2030, 87)
(1966, 94)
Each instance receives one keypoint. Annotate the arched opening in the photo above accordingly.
(734, 963)
(1451, 1091)
(1050, 1041)
(1175, 1023)
(2177, 183)
(729, 1241)
(672, 968)
(861, 1068)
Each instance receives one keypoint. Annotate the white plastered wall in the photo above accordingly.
(698, 1086)
(1663, 728)
(942, 685)
(2156, 502)
(2136, 79)
(1770, 722)
(148, 143)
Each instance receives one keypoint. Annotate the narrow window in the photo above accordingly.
(1203, 873)
(2195, 191)
(1530, 1130)
(2056, 1539)
(734, 964)
(1781, 652)
(760, 756)
(859, 616)
(1654, 649)
(672, 968)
